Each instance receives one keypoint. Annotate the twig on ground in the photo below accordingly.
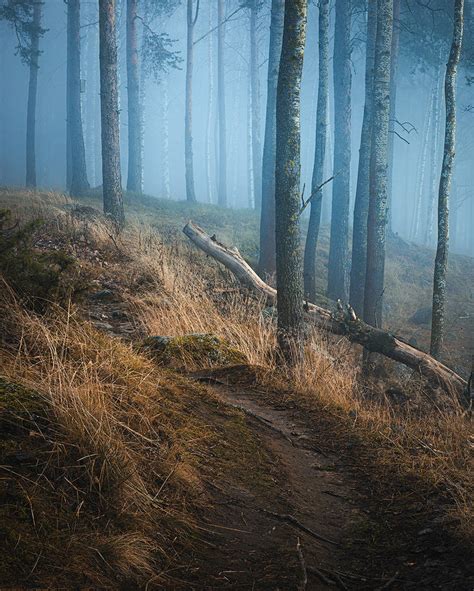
(304, 574)
(290, 519)
(388, 583)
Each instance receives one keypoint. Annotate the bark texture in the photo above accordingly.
(441, 261)
(255, 101)
(135, 171)
(188, 114)
(361, 205)
(287, 180)
(393, 103)
(222, 182)
(267, 260)
(377, 216)
(309, 267)
(111, 175)
(341, 323)
(76, 153)
(338, 247)
(32, 94)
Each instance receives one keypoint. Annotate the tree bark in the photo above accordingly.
(267, 261)
(255, 102)
(309, 265)
(135, 169)
(76, 153)
(210, 110)
(287, 182)
(431, 205)
(393, 103)
(222, 187)
(110, 131)
(188, 115)
(338, 247)
(341, 323)
(32, 94)
(441, 261)
(378, 186)
(361, 205)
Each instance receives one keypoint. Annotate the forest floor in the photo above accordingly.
(263, 479)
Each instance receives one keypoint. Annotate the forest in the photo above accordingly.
(237, 294)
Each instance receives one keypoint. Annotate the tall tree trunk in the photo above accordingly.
(441, 261)
(287, 181)
(92, 95)
(210, 110)
(267, 262)
(250, 160)
(417, 212)
(361, 205)
(393, 102)
(135, 169)
(188, 116)
(76, 151)
(429, 228)
(309, 268)
(165, 146)
(255, 102)
(377, 217)
(338, 247)
(222, 187)
(32, 94)
(110, 130)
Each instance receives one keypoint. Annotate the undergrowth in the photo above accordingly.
(120, 435)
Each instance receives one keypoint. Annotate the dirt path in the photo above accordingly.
(310, 502)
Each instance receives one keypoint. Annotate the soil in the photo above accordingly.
(254, 538)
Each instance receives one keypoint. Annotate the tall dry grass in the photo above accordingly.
(118, 447)
(414, 436)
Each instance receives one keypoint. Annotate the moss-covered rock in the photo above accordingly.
(193, 351)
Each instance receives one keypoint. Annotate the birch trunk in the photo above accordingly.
(338, 247)
(32, 96)
(361, 205)
(135, 172)
(429, 228)
(441, 261)
(222, 190)
(393, 103)
(255, 102)
(378, 186)
(188, 115)
(210, 109)
(79, 184)
(267, 262)
(309, 267)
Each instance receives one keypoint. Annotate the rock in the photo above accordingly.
(193, 351)
(119, 315)
(422, 316)
(102, 295)
(105, 326)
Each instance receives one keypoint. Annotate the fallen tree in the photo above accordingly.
(343, 322)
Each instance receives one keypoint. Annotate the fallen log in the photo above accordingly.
(342, 322)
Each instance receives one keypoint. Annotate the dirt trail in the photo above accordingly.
(311, 502)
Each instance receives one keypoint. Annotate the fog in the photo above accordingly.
(418, 143)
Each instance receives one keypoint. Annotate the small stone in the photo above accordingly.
(102, 295)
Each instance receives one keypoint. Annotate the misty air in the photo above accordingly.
(236, 294)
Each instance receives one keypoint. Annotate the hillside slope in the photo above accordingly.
(150, 439)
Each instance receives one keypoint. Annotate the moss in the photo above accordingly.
(193, 351)
(36, 277)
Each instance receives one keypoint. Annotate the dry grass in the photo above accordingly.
(121, 414)
(119, 444)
